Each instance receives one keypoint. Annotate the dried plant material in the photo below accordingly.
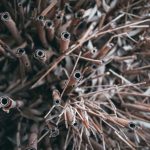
(40, 23)
(64, 41)
(56, 97)
(6, 103)
(74, 74)
(50, 30)
(7, 20)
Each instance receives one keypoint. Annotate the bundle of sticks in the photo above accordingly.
(74, 74)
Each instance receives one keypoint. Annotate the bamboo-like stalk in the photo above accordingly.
(11, 25)
(49, 30)
(91, 53)
(43, 55)
(64, 41)
(137, 107)
(6, 103)
(21, 12)
(40, 23)
(124, 122)
(24, 60)
(49, 7)
(104, 50)
(75, 78)
(58, 19)
(33, 138)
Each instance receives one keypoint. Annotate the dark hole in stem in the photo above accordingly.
(58, 16)
(94, 66)
(40, 18)
(5, 16)
(77, 75)
(94, 51)
(49, 23)
(4, 101)
(75, 124)
(66, 35)
(19, 4)
(21, 51)
(57, 101)
(40, 53)
(132, 125)
(27, 64)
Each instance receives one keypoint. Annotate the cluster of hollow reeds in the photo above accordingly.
(74, 74)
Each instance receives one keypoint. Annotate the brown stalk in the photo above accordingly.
(10, 24)
(124, 27)
(33, 137)
(143, 67)
(124, 122)
(56, 97)
(101, 22)
(41, 31)
(138, 107)
(46, 10)
(49, 30)
(104, 50)
(75, 78)
(90, 53)
(95, 61)
(127, 141)
(117, 58)
(6, 103)
(64, 41)
(134, 72)
(24, 60)
(43, 4)
(58, 60)
(21, 12)
(43, 55)
(79, 43)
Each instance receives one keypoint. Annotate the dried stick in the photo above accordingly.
(41, 31)
(43, 56)
(24, 60)
(10, 24)
(6, 103)
(49, 26)
(64, 41)
(46, 10)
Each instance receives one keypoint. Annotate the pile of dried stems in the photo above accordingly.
(74, 74)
